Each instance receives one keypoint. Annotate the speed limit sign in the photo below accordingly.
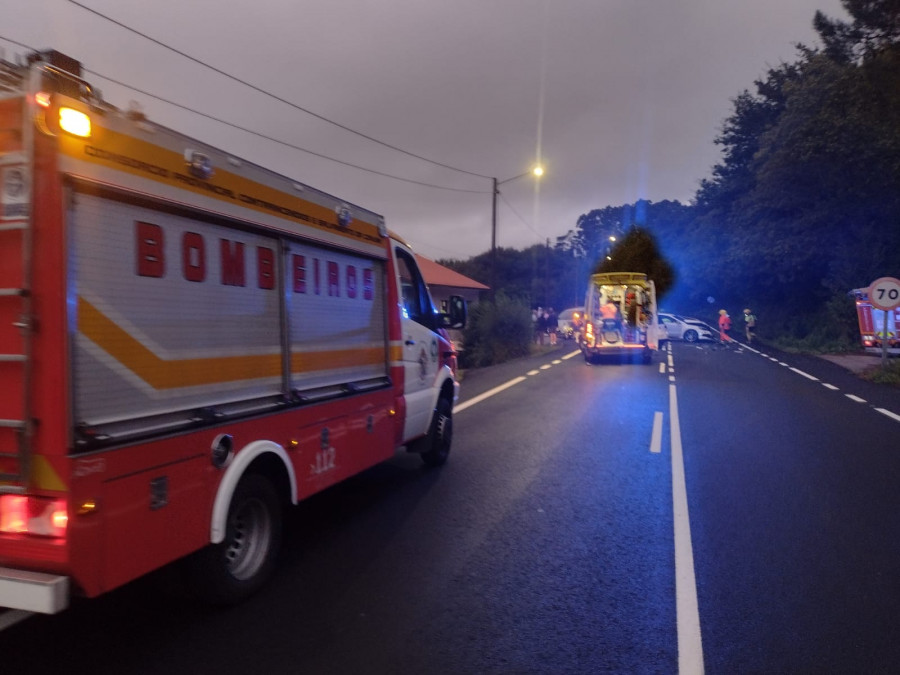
(884, 293)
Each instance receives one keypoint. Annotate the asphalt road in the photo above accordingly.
(549, 542)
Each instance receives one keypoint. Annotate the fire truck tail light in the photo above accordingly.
(75, 122)
(20, 514)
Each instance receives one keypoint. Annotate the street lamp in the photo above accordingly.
(537, 172)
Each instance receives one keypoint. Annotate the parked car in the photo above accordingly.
(566, 321)
(686, 328)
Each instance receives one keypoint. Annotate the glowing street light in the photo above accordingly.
(537, 172)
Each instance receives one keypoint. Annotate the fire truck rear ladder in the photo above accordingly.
(14, 481)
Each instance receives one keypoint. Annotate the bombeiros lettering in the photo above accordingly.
(307, 274)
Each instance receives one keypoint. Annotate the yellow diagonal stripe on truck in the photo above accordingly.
(172, 374)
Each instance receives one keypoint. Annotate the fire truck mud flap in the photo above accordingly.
(33, 591)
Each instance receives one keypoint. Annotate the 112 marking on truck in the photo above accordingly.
(188, 342)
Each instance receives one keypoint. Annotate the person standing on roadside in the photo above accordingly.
(552, 325)
(724, 327)
(541, 326)
(749, 325)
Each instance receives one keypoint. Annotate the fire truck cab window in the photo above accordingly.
(416, 301)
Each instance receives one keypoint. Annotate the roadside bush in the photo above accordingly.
(890, 374)
(832, 329)
(496, 332)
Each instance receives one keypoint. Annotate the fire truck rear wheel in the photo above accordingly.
(231, 571)
(439, 436)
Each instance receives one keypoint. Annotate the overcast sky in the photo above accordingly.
(619, 99)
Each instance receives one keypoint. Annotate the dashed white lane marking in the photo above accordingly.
(662, 367)
(506, 385)
(893, 416)
(806, 375)
(671, 378)
(496, 390)
(656, 436)
(690, 643)
(852, 397)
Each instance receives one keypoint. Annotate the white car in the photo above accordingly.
(685, 328)
(565, 322)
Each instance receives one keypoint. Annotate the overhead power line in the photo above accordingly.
(519, 216)
(271, 95)
(257, 133)
(280, 142)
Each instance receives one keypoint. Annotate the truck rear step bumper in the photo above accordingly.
(33, 591)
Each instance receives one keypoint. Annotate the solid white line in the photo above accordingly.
(13, 616)
(806, 375)
(829, 386)
(662, 368)
(489, 393)
(853, 397)
(893, 416)
(656, 436)
(569, 356)
(690, 643)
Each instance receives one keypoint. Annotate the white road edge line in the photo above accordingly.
(690, 643)
(893, 416)
(656, 436)
(489, 393)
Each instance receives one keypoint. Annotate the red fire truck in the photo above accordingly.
(188, 342)
(871, 324)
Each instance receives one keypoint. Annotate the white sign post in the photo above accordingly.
(884, 294)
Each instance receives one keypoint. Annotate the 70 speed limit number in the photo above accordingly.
(884, 293)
